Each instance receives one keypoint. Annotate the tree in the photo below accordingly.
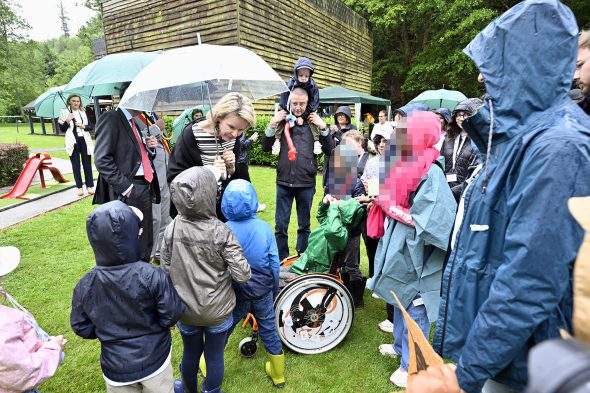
(63, 16)
(417, 44)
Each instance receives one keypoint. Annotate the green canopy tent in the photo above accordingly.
(341, 95)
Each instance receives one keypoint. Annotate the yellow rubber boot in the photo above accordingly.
(203, 366)
(275, 369)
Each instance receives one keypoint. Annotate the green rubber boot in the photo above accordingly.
(203, 366)
(275, 369)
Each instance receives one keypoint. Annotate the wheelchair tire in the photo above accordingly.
(248, 347)
(314, 313)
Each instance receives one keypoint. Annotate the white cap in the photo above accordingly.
(9, 259)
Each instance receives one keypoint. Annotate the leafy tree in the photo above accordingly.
(417, 44)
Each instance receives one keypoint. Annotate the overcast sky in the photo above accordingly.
(43, 16)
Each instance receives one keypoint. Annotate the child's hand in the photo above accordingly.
(300, 121)
(328, 199)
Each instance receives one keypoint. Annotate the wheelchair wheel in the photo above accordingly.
(248, 347)
(313, 313)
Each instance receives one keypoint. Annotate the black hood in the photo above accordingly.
(113, 233)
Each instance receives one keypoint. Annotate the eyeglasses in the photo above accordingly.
(461, 115)
(298, 104)
(579, 64)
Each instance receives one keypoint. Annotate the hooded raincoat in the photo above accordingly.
(336, 223)
(410, 255)
(129, 305)
(508, 282)
(200, 252)
(239, 205)
(310, 87)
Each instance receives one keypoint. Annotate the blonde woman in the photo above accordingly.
(213, 141)
(74, 122)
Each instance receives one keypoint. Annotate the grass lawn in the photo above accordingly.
(8, 134)
(56, 254)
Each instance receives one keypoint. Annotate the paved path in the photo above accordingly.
(24, 211)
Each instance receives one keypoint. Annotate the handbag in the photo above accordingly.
(375, 222)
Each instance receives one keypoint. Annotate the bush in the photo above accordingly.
(12, 161)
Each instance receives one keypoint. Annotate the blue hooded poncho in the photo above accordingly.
(507, 282)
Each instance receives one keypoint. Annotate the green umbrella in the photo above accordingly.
(185, 117)
(50, 103)
(440, 98)
(105, 76)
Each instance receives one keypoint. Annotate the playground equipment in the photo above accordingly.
(38, 162)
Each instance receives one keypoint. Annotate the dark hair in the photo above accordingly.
(377, 139)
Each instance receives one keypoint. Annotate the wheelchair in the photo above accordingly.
(314, 313)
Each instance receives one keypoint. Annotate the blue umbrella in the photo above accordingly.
(105, 76)
(50, 103)
(186, 117)
(440, 98)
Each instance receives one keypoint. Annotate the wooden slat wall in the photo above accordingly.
(159, 24)
(335, 38)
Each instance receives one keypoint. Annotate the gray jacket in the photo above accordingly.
(200, 252)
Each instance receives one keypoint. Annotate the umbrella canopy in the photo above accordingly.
(440, 98)
(105, 76)
(340, 95)
(50, 103)
(201, 74)
(185, 117)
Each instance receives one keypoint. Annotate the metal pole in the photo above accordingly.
(96, 108)
(43, 126)
(31, 123)
(17, 126)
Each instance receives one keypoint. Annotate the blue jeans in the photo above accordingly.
(199, 339)
(264, 312)
(303, 199)
(400, 331)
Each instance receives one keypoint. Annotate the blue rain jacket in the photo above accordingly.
(409, 260)
(508, 282)
(239, 205)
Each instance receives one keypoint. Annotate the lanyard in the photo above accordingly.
(458, 144)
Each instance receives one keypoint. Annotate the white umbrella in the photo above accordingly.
(185, 77)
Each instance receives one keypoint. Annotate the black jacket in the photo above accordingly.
(128, 305)
(303, 171)
(117, 158)
(467, 159)
(186, 154)
(585, 104)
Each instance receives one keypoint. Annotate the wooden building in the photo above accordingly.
(334, 37)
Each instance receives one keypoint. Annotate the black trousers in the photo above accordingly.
(141, 198)
(371, 246)
(80, 150)
(243, 170)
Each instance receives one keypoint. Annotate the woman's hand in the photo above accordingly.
(219, 163)
(69, 117)
(80, 125)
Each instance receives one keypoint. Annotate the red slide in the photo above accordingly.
(38, 162)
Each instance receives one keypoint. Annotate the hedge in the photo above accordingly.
(12, 161)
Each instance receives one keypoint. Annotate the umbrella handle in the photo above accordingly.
(292, 151)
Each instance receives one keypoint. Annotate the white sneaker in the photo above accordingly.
(399, 378)
(386, 326)
(261, 207)
(276, 147)
(375, 296)
(317, 148)
(387, 350)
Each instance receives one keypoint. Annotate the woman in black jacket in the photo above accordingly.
(214, 141)
(460, 155)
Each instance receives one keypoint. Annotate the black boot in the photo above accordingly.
(358, 290)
